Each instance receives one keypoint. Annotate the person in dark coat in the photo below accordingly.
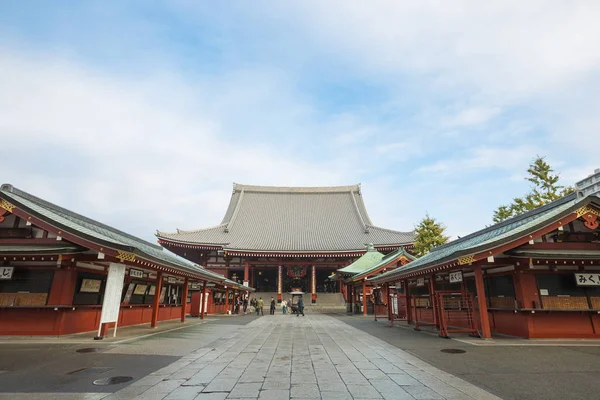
(272, 310)
(300, 307)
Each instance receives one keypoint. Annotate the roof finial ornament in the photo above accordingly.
(370, 247)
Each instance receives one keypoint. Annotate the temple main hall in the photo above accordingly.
(283, 239)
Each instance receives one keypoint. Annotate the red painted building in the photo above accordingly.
(533, 276)
(54, 265)
(277, 239)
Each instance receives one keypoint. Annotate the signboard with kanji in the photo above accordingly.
(455, 276)
(588, 279)
(420, 281)
(6, 272)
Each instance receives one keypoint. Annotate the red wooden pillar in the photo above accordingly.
(388, 303)
(340, 287)
(279, 283)
(246, 273)
(63, 287)
(204, 302)
(407, 301)
(365, 297)
(433, 299)
(184, 299)
(156, 302)
(313, 280)
(481, 302)
(226, 300)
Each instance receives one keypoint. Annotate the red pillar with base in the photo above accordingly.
(433, 299)
(279, 283)
(204, 302)
(246, 273)
(313, 284)
(184, 299)
(388, 303)
(407, 301)
(156, 301)
(364, 297)
(481, 302)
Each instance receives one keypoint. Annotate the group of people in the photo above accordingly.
(259, 305)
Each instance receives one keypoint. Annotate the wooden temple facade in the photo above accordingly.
(283, 239)
(532, 276)
(60, 272)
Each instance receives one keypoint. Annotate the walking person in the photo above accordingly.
(272, 309)
(245, 304)
(284, 306)
(259, 306)
(300, 307)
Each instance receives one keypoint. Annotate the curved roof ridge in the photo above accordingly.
(179, 231)
(56, 208)
(296, 189)
(389, 230)
(508, 221)
(362, 221)
(235, 212)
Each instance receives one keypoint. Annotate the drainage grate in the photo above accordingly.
(453, 351)
(113, 380)
(88, 371)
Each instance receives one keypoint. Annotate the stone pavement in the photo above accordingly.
(316, 357)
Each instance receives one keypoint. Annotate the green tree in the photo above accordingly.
(544, 189)
(430, 234)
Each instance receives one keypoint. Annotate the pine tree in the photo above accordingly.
(430, 234)
(545, 189)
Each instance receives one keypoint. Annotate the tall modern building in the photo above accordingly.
(589, 185)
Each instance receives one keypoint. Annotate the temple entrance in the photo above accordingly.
(265, 279)
(296, 278)
(324, 285)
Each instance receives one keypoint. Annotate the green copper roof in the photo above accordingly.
(366, 261)
(389, 259)
(495, 235)
(99, 233)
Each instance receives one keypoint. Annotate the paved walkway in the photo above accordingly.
(316, 357)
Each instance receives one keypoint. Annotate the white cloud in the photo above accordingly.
(132, 152)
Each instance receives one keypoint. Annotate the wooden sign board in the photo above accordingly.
(455, 276)
(588, 279)
(136, 273)
(6, 273)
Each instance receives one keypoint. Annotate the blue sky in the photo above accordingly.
(142, 114)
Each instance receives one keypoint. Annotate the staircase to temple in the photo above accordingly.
(326, 302)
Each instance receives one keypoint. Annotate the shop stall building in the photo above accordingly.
(283, 239)
(360, 295)
(536, 275)
(62, 273)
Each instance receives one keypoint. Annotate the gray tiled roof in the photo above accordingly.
(495, 235)
(97, 232)
(294, 219)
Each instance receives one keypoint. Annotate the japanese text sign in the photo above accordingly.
(420, 281)
(6, 272)
(455, 276)
(588, 279)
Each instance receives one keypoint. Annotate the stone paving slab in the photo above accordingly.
(316, 357)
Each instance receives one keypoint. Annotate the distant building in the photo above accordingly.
(589, 185)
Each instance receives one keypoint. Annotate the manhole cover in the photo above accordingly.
(89, 350)
(113, 380)
(453, 351)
